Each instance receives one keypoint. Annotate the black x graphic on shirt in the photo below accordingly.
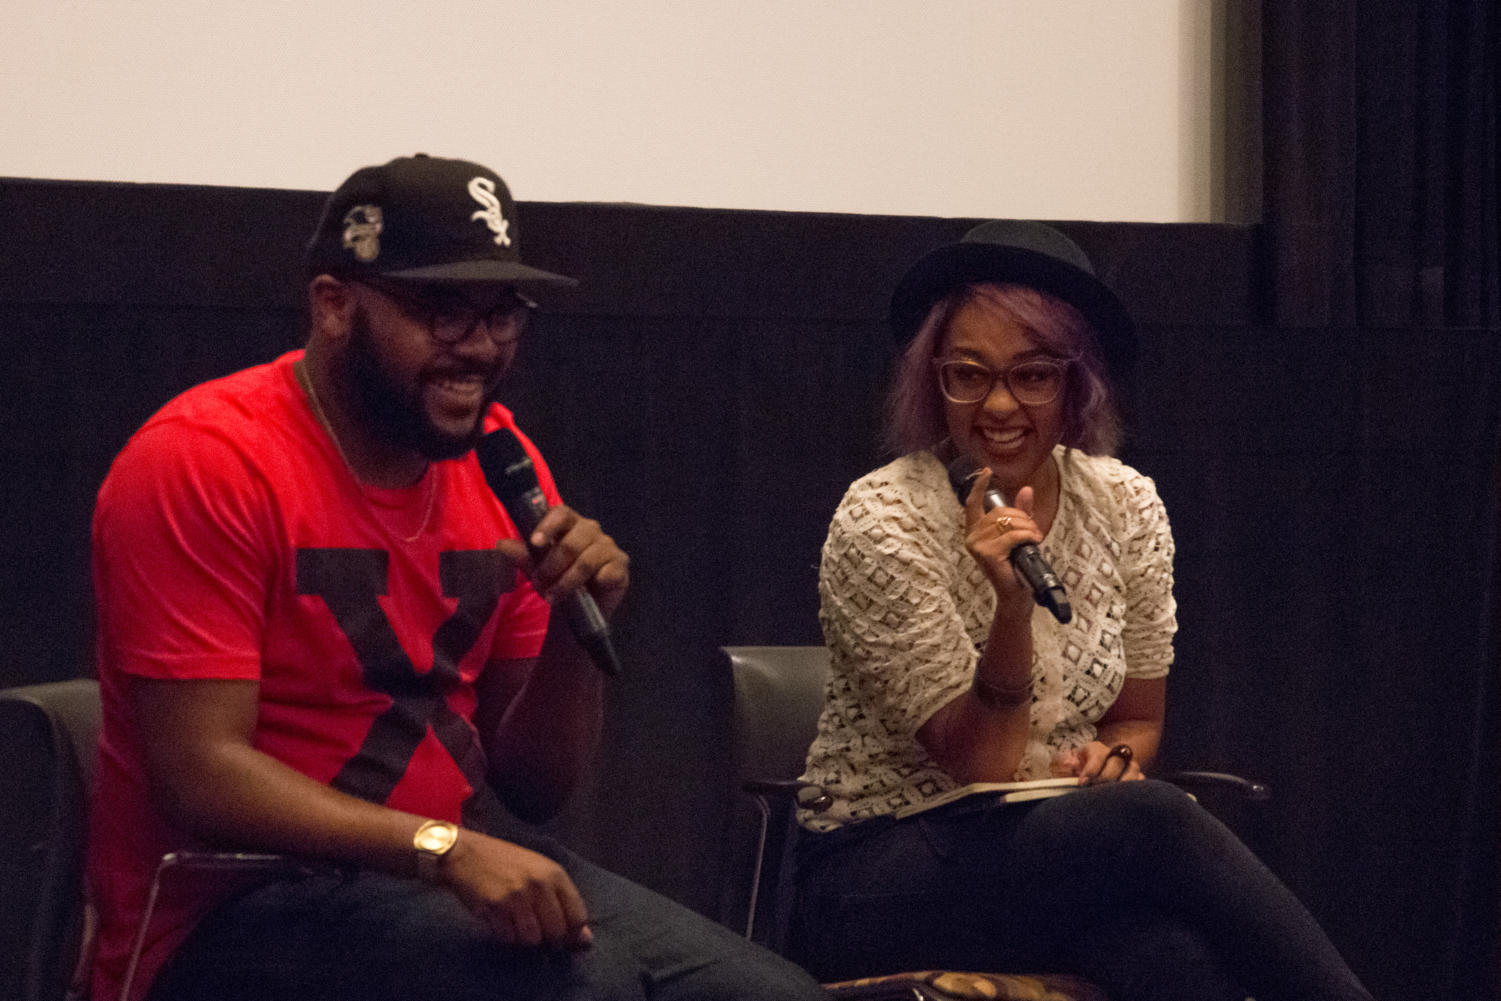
(350, 582)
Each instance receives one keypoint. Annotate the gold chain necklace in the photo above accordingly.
(306, 382)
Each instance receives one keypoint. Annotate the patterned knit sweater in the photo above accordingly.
(906, 610)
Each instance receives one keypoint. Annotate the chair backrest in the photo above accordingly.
(47, 737)
(778, 695)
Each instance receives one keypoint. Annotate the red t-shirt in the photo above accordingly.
(232, 542)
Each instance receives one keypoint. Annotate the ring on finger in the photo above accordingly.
(1003, 523)
(1122, 751)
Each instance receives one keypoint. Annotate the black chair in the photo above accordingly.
(778, 695)
(48, 735)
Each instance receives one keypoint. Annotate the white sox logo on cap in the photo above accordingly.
(482, 190)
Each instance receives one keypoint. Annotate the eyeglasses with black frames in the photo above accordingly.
(450, 317)
(1031, 383)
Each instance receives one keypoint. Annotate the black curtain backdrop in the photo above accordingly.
(1317, 399)
(1380, 216)
(1379, 151)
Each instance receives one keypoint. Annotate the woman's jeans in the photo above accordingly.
(1132, 885)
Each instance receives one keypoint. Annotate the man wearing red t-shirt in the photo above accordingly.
(321, 635)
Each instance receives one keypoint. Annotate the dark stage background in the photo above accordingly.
(709, 393)
(1317, 398)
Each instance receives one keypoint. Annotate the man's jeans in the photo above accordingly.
(366, 936)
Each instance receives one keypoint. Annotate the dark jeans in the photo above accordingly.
(1132, 885)
(366, 936)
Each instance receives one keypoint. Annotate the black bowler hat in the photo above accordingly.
(1016, 252)
(424, 219)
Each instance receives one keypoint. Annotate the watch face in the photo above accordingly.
(436, 838)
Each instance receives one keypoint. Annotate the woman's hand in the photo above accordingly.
(991, 536)
(1096, 763)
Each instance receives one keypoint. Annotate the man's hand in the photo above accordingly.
(573, 553)
(526, 898)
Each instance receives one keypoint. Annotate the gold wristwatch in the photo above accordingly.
(433, 840)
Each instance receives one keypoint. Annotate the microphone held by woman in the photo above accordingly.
(1028, 560)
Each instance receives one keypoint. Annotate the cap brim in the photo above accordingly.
(483, 272)
(947, 268)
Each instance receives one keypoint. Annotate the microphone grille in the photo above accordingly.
(507, 467)
(962, 472)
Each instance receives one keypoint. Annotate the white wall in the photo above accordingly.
(1061, 109)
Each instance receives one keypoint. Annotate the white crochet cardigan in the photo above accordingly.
(905, 611)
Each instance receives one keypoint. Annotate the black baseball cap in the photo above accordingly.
(1017, 252)
(424, 219)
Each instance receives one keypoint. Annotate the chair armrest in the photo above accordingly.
(1251, 790)
(237, 861)
(244, 861)
(803, 795)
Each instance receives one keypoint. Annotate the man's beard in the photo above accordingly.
(394, 412)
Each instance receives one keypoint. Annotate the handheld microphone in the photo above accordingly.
(513, 479)
(1047, 589)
